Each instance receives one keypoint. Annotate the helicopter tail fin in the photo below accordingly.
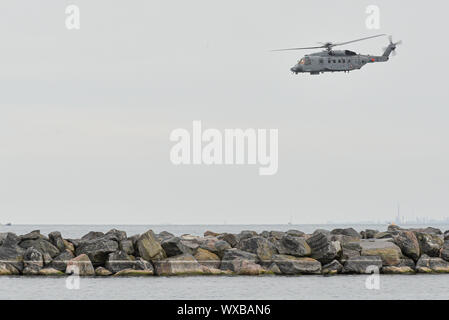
(391, 47)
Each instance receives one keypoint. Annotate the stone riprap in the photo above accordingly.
(328, 252)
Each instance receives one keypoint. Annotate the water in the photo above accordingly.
(219, 287)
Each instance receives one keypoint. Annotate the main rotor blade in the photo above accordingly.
(288, 49)
(342, 43)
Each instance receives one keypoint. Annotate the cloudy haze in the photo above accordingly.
(85, 116)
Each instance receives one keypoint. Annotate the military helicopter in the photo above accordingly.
(330, 60)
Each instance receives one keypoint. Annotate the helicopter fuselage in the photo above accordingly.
(335, 61)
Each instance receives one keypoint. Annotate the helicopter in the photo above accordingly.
(330, 60)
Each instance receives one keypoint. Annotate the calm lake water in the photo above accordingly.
(222, 287)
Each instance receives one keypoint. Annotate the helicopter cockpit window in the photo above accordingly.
(307, 61)
(302, 61)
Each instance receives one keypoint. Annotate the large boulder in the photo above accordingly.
(295, 233)
(117, 235)
(351, 232)
(245, 234)
(11, 253)
(294, 246)
(33, 261)
(350, 250)
(7, 269)
(332, 268)
(445, 250)
(149, 247)
(408, 243)
(56, 239)
(97, 249)
(42, 245)
(50, 272)
(397, 270)
(428, 264)
(207, 258)
(389, 252)
(102, 272)
(175, 246)
(323, 249)
(33, 235)
(141, 264)
(235, 260)
(92, 235)
(80, 265)
(260, 246)
(362, 264)
(60, 261)
(294, 265)
(230, 238)
(184, 264)
(429, 244)
(127, 246)
(118, 261)
(164, 235)
(370, 233)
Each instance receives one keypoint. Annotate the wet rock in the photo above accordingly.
(50, 272)
(184, 264)
(42, 245)
(260, 246)
(429, 244)
(118, 261)
(389, 252)
(229, 238)
(408, 243)
(97, 249)
(294, 265)
(351, 232)
(133, 273)
(322, 249)
(332, 268)
(207, 258)
(127, 246)
(149, 248)
(56, 240)
(80, 265)
(294, 246)
(362, 264)
(102, 272)
(397, 270)
(60, 261)
(428, 264)
(33, 261)
(11, 253)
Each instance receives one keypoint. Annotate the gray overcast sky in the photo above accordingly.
(85, 116)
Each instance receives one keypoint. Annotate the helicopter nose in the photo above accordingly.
(296, 69)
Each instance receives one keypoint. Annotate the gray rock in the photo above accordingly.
(383, 235)
(445, 236)
(56, 239)
(407, 262)
(127, 246)
(80, 265)
(116, 235)
(245, 234)
(333, 267)
(174, 247)
(428, 264)
(33, 235)
(429, 244)
(370, 233)
(229, 238)
(293, 246)
(389, 252)
(407, 241)
(97, 249)
(277, 234)
(362, 264)
(323, 231)
(445, 250)
(164, 235)
(322, 249)
(351, 232)
(260, 246)
(215, 245)
(42, 245)
(92, 235)
(11, 253)
(60, 262)
(295, 233)
(149, 247)
(118, 261)
(7, 269)
(142, 264)
(232, 259)
(265, 234)
(32, 261)
(294, 265)
(184, 264)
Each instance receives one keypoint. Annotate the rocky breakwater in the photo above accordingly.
(339, 251)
